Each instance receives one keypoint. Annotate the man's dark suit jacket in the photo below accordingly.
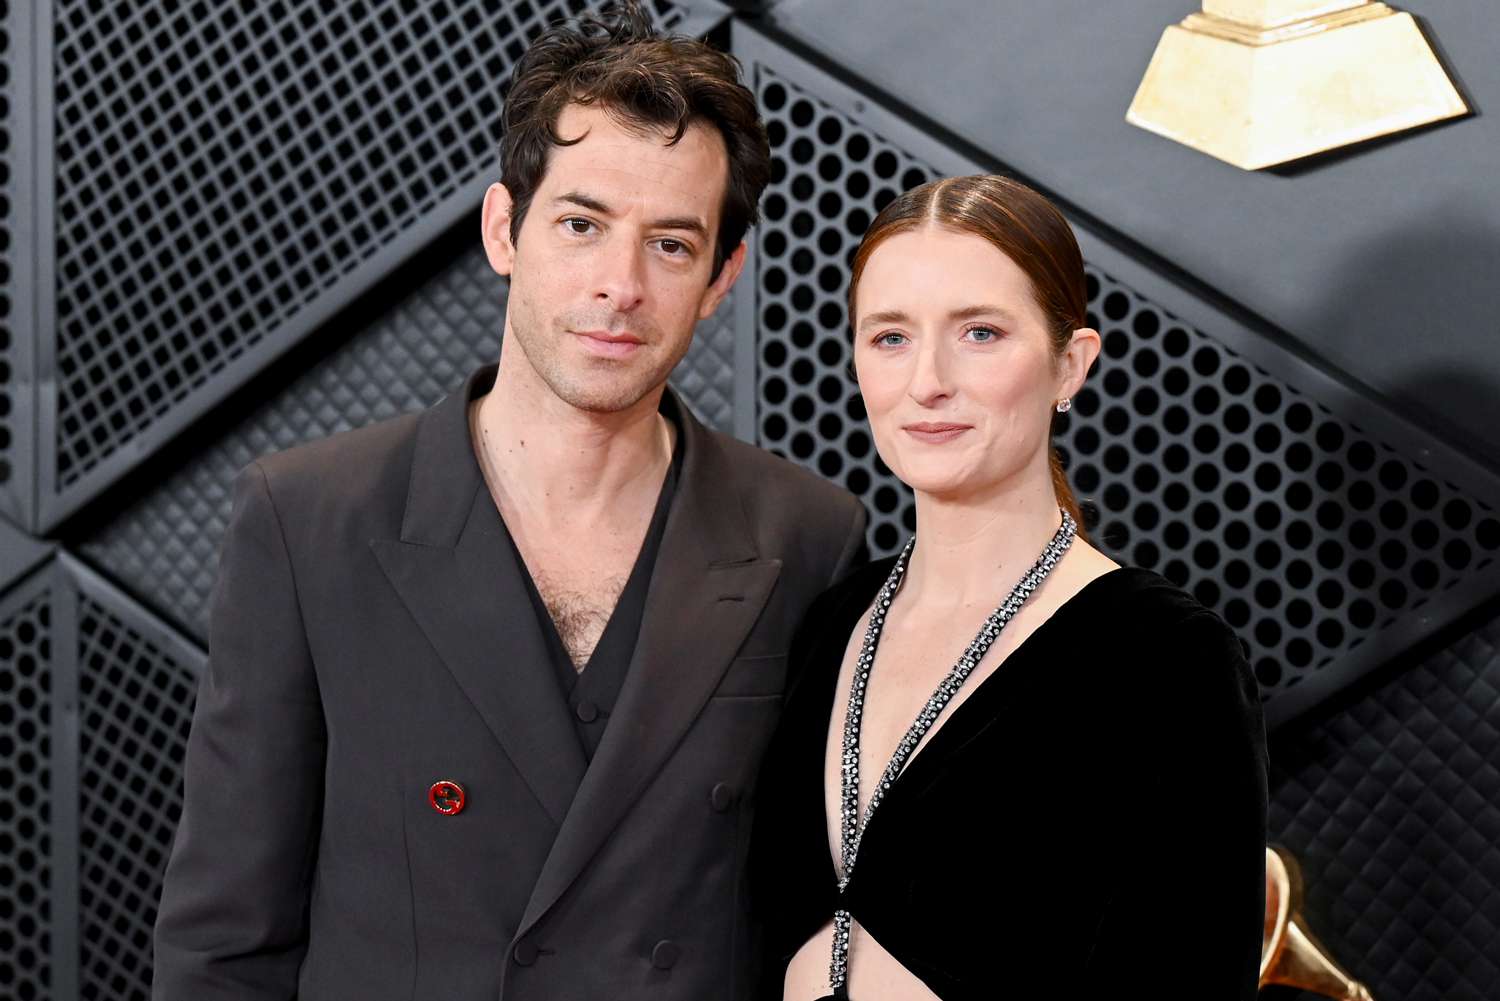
(363, 645)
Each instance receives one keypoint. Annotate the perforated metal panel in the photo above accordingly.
(26, 794)
(135, 705)
(830, 177)
(1392, 803)
(229, 174)
(1306, 532)
(1310, 532)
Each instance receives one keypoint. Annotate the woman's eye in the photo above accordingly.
(982, 335)
(577, 226)
(890, 340)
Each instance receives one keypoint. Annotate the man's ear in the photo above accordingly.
(495, 223)
(720, 286)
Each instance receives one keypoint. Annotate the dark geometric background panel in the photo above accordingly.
(1305, 531)
(221, 167)
(1308, 533)
(26, 793)
(1392, 804)
(14, 299)
(706, 375)
(830, 176)
(164, 545)
(135, 705)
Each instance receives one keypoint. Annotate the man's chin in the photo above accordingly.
(604, 397)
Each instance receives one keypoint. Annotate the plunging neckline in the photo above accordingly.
(941, 726)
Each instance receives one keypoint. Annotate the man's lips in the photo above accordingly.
(934, 432)
(623, 337)
(608, 344)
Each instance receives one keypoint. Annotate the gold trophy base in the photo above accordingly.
(1256, 97)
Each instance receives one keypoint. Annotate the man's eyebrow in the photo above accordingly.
(689, 224)
(584, 201)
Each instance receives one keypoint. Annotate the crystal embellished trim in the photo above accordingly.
(851, 825)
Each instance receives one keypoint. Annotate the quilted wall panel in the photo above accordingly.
(1391, 801)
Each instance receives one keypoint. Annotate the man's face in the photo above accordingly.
(610, 270)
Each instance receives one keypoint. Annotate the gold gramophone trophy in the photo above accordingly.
(1289, 955)
(1262, 82)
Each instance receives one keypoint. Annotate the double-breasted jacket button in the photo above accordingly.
(447, 797)
(587, 711)
(722, 797)
(525, 953)
(665, 955)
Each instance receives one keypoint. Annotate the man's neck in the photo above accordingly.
(557, 466)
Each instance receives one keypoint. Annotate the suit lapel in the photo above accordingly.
(706, 593)
(456, 572)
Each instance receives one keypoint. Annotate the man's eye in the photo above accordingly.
(675, 248)
(890, 339)
(577, 226)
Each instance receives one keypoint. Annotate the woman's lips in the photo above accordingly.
(935, 433)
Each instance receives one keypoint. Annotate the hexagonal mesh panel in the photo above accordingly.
(135, 705)
(220, 166)
(1392, 804)
(1302, 529)
(25, 792)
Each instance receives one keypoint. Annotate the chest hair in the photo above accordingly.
(580, 606)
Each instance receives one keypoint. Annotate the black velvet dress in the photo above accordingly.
(1089, 822)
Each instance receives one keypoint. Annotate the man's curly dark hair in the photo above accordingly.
(643, 80)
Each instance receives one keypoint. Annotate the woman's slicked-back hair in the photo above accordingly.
(645, 82)
(1023, 226)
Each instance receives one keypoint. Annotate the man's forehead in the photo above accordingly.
(637, 162)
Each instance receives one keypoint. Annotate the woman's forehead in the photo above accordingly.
(937, 271)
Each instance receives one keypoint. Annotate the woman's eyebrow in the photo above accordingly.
(984, 309)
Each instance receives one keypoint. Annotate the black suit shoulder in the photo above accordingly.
(354, 480)
(787, 503)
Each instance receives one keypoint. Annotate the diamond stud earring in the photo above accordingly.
(1064, 405)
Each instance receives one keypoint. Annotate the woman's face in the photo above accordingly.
(956, 366)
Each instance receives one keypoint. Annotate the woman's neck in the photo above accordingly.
(972, 550)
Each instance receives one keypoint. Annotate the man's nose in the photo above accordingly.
(621, 276)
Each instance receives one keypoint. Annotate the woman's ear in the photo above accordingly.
(1076, 360)
(495, 229)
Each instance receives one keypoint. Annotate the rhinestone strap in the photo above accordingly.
(851, 825)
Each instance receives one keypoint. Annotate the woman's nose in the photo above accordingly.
(930, 374)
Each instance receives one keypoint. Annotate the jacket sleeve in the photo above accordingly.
(233, 917)
(1185, 918)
